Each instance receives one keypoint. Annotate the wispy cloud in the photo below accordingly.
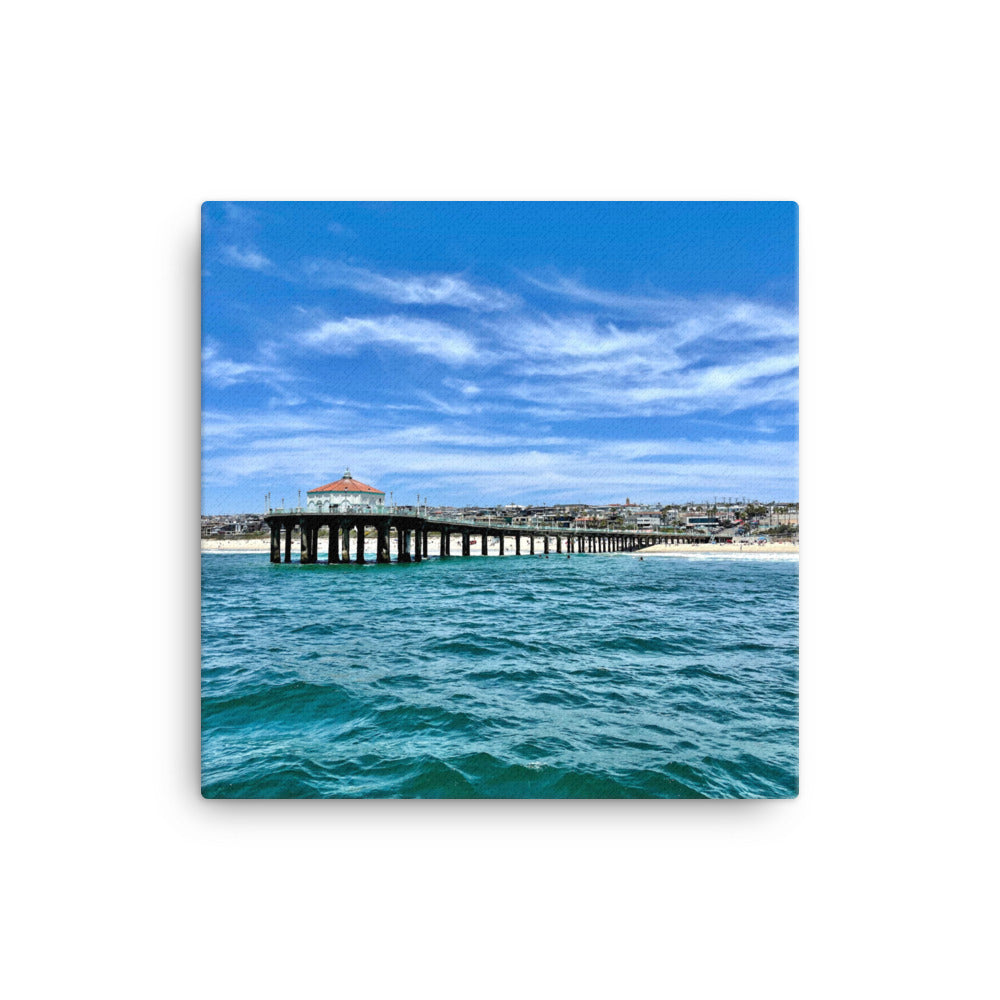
(489, 467)
(712, 356)
(241, 215)
(720, 356)
(460, 385)
(410, 289)
(725, 358)
(574, 338)
(446, 343)
(222, 372)
(493, 425)
(690, 319)
(248, 258)
(645, 305)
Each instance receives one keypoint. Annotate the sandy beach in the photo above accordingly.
(237, 545)
(433, 547)
(722, 551)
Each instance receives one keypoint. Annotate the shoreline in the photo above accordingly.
(731, 550)
(235, 545)
(745, 550)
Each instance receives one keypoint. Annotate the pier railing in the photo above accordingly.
(413, 526)
(434, 517)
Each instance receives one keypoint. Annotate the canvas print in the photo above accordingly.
(499, 500)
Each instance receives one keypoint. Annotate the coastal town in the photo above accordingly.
(718, 520)
(724, 520)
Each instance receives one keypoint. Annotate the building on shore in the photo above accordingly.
(346, 494)
(700, 519)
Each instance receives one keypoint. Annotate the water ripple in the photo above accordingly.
(596, 677)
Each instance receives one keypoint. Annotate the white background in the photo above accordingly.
(879, 880)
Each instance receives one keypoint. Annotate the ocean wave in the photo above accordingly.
(515, 678)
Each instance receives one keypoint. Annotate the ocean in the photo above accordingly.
(598, 676)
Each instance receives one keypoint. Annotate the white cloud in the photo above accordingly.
(481, 435)
(465, 388)
(645, 305)
(224, 372)
(578, 338)
(472, 466)
(411, 289)
(673, 309)
(250, 259)
(418, 336)
(594, 396)
(715, 355)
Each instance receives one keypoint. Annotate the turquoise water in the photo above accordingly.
(592, 677)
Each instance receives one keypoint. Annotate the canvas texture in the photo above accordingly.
(500, 500)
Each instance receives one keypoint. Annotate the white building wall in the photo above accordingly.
(332, 503)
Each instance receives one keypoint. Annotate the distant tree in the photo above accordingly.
(782, 529)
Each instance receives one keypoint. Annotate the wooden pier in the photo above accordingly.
(406, 534)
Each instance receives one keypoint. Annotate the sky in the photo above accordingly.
(500, 352)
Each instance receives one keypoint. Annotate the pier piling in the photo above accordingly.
(412, 531)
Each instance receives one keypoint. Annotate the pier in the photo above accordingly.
(404, 532)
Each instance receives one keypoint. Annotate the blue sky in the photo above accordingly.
(500, 352)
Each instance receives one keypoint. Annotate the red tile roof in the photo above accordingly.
(346, 486)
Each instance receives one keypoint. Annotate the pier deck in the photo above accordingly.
(410, 529)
